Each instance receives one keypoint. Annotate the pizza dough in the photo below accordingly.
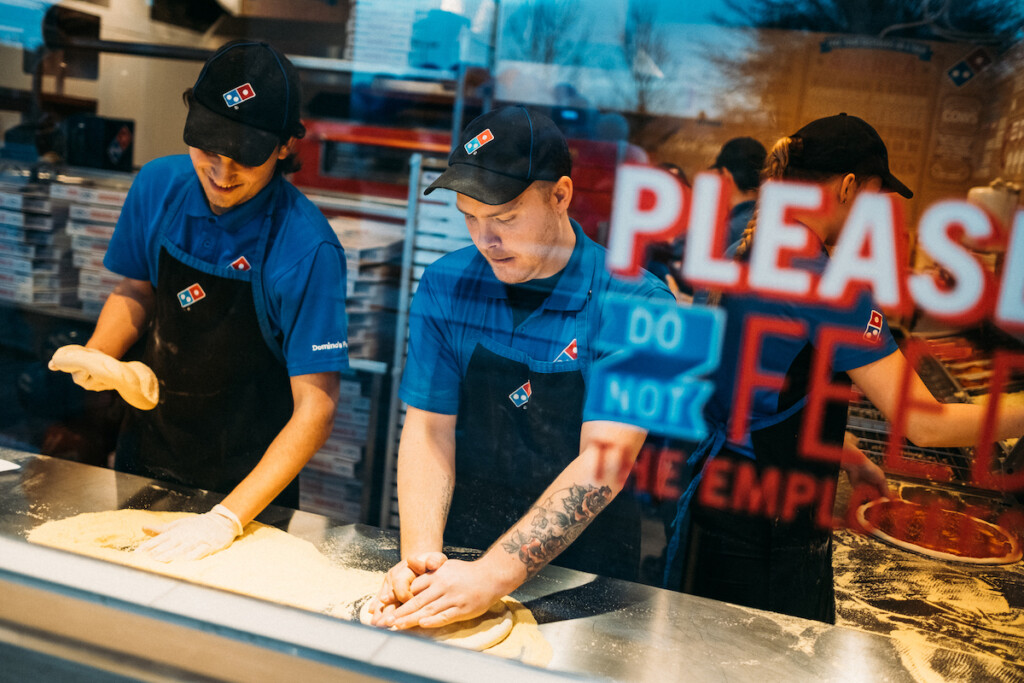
(96, 371)
(267, 563)
(937, 532)
(479, 633)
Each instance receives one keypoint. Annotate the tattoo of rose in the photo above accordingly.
(553, 530)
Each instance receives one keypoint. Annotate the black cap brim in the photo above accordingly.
(480, 184)
(893, 184)
(211, 132)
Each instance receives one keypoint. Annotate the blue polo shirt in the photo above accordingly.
(789, 356)
(303, 275)
(459, 301)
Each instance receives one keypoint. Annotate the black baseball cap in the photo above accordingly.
(245, 103)
(502, 152)
(844, 144)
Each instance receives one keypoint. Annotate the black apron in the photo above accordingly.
(507, 455)
(761, 562)
(225, 393)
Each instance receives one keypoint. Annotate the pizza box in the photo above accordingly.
(367, 241)
(352, 417)
(45, 238)
(87, 259)
(34, 281)
(89, 195)
(17, 265)
(17, 249)
(330, 464)
(94, 214)
(320, 505)
(96, 294)
(93, 244)
(353, 403)
(343, 448)
(48, 297)
(330, 485)
(18, 201)
(94, 230)
(98, 277)
(350, 387)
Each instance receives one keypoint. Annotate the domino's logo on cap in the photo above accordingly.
(479, 141)
(190, 295)
(236, 96)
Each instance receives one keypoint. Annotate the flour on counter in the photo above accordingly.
(264, 562)
(947, 621)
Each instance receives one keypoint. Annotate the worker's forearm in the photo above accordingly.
(563, 511)
(426, 480)
(123, 319)
(297, 442)
(960, 424)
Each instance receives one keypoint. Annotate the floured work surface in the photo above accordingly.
(947, 620)
(265, 563)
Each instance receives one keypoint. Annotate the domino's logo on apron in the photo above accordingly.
(521, 396)
(190, 295)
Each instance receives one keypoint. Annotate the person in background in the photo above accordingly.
(237, 284)
(741, 160)
(495, 453)
(766, 561)
(664, 260)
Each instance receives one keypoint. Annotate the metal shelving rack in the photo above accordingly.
(434, 227)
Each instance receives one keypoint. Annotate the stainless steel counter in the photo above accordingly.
(598, 628)
(958, 607)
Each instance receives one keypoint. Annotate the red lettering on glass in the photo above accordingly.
(749, 376)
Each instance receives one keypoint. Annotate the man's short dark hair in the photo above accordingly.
(744, 159)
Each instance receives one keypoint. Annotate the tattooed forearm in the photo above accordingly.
(554, 523)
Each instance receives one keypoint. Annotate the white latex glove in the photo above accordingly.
(192, 538)
(96, 371)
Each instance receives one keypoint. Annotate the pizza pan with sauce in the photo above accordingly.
(939, 533)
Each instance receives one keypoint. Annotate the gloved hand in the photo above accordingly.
(192, 538)
(96, 371)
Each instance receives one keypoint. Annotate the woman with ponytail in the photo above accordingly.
(753, 526)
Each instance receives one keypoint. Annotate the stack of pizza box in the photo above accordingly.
(35, 264)
(92, 215)
(331, 483)
(373, 251)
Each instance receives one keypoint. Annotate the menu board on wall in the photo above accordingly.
(1005, 152)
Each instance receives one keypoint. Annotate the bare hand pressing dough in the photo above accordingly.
(478, 633)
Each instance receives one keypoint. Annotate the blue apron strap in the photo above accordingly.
(696, 463)
(773, 420)
(258, 294)
(169, 217)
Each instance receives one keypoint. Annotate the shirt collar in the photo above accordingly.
(233, 220)
(570, 294)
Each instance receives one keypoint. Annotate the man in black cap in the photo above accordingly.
(237, 283)
(495, 452)
(741, 160)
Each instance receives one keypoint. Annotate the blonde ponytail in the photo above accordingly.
(775, 165)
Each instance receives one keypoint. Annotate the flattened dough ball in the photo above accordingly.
(478, 633)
